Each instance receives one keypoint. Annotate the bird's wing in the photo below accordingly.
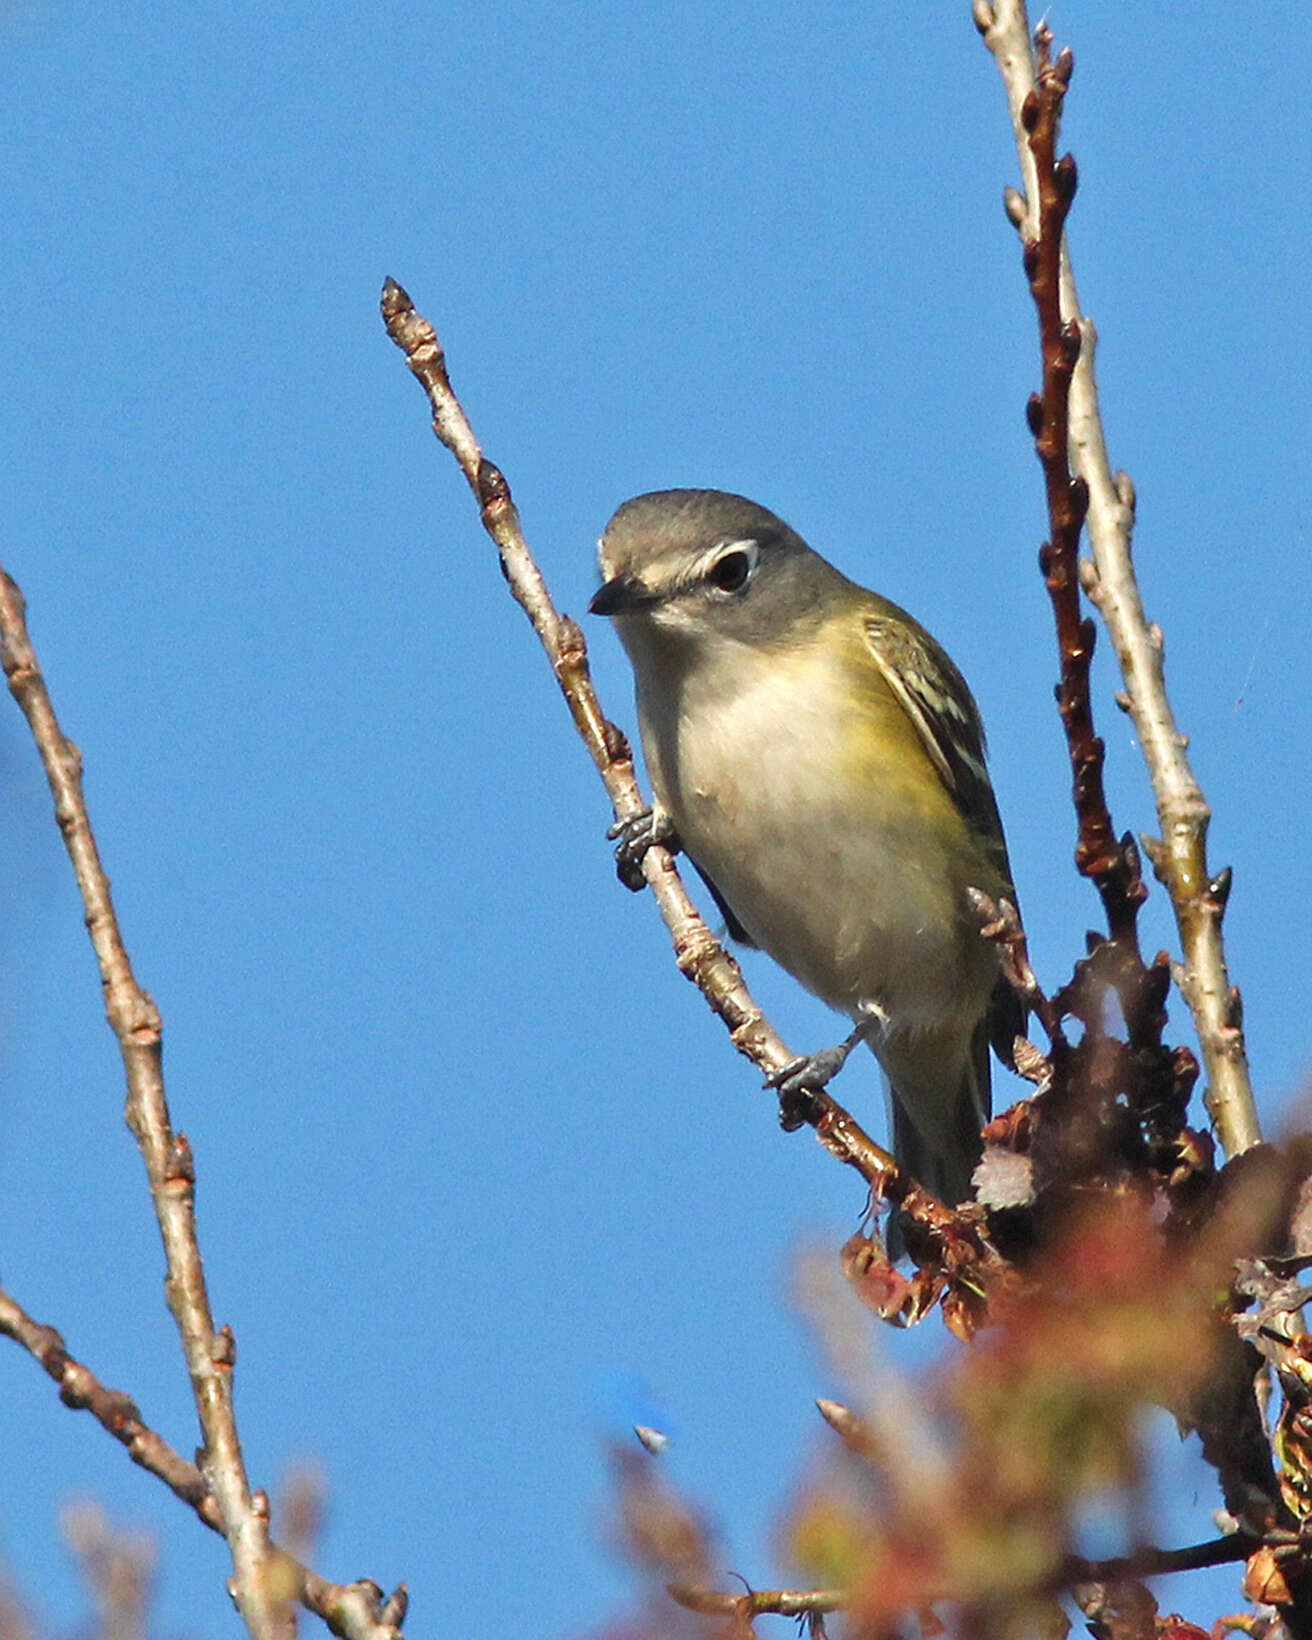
(733, 927)
(936, 699)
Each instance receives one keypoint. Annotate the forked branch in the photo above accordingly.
(353, 1611)
(1179, 858)
(136, 1024)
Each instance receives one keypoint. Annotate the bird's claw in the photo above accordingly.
(800, 1080)
(811, 1072)
(633, 837)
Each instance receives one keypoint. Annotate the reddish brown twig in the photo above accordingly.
(699, 955)
(1155, 1082)
(1000, 923)
(354, 1611)
(1111, 864)
(1198, 895)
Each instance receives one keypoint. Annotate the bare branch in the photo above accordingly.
(136, 1024)
(700, 957)
(353, 1611)
(114, 1411)
(1197, 893)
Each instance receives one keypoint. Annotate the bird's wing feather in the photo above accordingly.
(936, 699)
(733, 926)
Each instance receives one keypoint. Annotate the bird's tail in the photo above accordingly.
(938, 1101)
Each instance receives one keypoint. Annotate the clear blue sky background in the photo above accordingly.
(481, 1181)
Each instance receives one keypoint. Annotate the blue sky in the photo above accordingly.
(481, 1182)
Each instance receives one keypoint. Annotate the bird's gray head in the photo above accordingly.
(694, 564)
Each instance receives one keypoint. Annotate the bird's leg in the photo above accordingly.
(801, 1078)
(633, 837)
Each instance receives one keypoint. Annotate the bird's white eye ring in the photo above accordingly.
(732, 570)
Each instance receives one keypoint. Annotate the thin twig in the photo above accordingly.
(1198, 894)
(1150, 1562)
(1112, 865)
(135, 1021)
(81, 1389)
(758, 1602)
(1000, 923)
(1147, 1562)
(699, 955)
(353, 1611)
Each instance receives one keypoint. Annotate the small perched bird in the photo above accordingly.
(821, 761)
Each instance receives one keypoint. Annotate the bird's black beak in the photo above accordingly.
(621, 595)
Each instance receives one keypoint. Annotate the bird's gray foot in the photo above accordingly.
(633, 837)
(801, 1079)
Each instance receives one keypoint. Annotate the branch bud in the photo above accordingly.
(1029, 110)
(618, 749)
(396, 1605)
(492, 486)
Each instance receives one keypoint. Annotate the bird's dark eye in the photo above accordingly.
(729, 573)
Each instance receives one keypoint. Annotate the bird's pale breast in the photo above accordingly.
(803, 794)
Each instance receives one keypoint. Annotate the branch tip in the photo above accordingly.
(395, 299)
(837, 1416)
(983, 15)
(395, 1606)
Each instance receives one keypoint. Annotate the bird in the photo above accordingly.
(821, 761)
